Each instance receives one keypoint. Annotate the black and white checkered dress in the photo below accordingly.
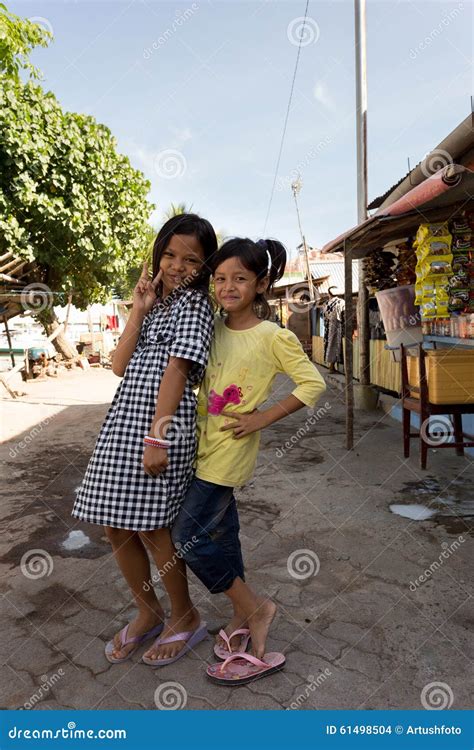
(115, 490)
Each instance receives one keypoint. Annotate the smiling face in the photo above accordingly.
(180, 261)
(235, 286)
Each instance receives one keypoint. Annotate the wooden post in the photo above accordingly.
(68, 310)
(348, 353)
(91, 328)
(9, 339)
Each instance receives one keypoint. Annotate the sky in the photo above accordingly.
(196, 95)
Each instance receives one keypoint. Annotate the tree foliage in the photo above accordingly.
(68, 199)
(18, 36)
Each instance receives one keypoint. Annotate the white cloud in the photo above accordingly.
(182, 134)
(322, 96)
(141, 156)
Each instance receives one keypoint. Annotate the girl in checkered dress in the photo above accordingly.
(142, 462)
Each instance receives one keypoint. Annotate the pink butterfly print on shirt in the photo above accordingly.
(216, 403)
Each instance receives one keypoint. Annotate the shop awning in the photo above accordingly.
(457, 147)
(438, 198)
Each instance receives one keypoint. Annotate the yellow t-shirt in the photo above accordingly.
(239, 375)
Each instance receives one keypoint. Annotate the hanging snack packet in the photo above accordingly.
(426, 231)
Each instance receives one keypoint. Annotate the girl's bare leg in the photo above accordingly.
(258, 611)
(238, 621)
(133, 561)
(172, 571)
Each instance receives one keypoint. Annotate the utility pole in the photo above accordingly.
(366, 396)
(296, 186)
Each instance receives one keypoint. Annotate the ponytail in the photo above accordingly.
(277, 254)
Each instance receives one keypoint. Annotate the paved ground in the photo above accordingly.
(358, 624)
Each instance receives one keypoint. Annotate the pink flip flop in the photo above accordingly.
(192, 638)
(223, 652)
(240, 669)
(124, 641)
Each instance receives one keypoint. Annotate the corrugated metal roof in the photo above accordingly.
(289, 278)
(333, 275)
(439, 198)
(455, 148)
(377, 202)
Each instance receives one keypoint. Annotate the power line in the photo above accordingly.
(286, 120)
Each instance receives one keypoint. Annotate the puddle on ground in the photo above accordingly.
(450, 504)
(415, 512)
(75, 540)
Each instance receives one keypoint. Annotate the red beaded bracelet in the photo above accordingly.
(156, 442)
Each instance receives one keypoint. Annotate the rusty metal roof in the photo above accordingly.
(457, 147)
(439, 198)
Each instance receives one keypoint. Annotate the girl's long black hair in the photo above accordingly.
(190, 224)
(264, 258)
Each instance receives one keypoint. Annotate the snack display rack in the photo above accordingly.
(444, 284)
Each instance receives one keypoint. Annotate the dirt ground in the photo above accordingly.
(374, 607)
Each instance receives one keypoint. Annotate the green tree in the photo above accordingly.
(125, 286)
(68, 200)
(176, 209)
(18, 36)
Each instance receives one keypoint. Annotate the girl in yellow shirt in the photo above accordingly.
(247, 353)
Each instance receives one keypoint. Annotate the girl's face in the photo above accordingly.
(181, 261)
(235, 286)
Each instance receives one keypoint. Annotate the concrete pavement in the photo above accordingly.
(374, 608)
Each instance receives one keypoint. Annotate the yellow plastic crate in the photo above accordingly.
(450, 376)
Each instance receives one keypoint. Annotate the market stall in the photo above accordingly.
(443, 316)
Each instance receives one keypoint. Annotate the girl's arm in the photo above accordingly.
(127, 343)
(245, 424)
(144, 297)
(170, 394)
(190, 348)
(155, 460)
(291, 360)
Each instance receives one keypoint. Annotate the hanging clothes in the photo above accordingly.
(333, 313)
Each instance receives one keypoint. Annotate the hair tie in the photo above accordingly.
(263, 244)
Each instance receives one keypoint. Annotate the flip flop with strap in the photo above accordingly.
(222, 652)
(124, 641)
(240, 669)
(191, 638)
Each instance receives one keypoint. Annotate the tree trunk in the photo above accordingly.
(61, 343)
